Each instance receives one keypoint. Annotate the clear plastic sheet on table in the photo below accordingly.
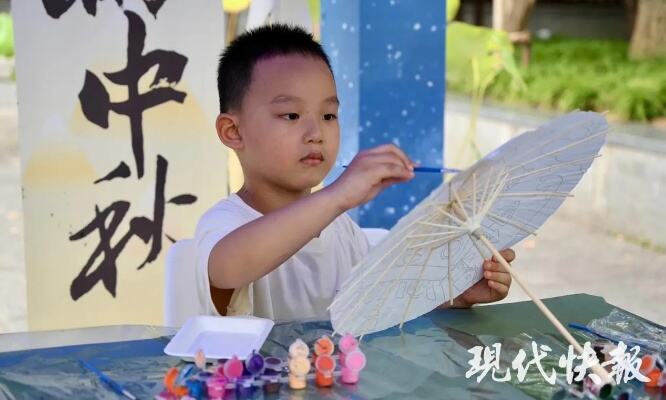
(423, 362)
(426, 360)
(57, 372)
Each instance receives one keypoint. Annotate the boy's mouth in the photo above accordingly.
(314, 158)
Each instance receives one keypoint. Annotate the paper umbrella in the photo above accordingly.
(436, 252)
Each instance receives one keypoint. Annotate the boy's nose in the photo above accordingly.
(313, 132)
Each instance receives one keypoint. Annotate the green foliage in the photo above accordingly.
(567, 74)
(6, 35)
(452, 7)
(475, 56)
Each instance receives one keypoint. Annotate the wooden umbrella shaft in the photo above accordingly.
(596, 368)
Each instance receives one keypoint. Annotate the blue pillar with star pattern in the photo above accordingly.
(388, 57)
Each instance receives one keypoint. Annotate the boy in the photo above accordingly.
(275, 249)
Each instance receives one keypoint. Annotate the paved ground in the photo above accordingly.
(565, 258)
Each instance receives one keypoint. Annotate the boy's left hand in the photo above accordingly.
(494, 285)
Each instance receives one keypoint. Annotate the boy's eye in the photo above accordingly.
(330, 117)
(290, 116)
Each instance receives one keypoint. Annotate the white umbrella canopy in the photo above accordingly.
(436, 252)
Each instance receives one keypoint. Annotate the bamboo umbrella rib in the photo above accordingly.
(557, 137)
(373, 266)
(486, 187)
(535, 194)
(427, 235)
(474, 193)
(462, 207)
(553, 167)
(360, 301)
(512, 223)
(458, 221)
(559, 150)
(496, 192)
(448, 275)
(451, 227)
(345, 317)
(416, 246)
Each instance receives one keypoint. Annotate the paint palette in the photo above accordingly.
(219, 337)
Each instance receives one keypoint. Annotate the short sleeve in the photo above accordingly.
(214, 225)
(359, 244)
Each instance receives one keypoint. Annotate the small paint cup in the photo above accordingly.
(255, 363)
(602, 389)
(324, 346)
(324, 368)
(653, 377)
(273, 364)
(232, 368)
(298, 371)
(354, 362)
(346, 344)
(216, 387)
(196, 389)
(661, 381)
(272, 384)
(244, 388)
(299, 349)
(648, 363)
(170, 378)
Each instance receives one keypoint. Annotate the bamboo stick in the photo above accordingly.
(597, 369)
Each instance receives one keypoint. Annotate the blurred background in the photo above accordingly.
(510, 66)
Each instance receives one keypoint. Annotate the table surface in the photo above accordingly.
(428, 359)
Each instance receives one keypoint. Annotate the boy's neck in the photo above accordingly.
(266, 198)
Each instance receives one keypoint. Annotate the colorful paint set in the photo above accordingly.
(245, 377)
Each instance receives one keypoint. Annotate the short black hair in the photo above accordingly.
(234, 70)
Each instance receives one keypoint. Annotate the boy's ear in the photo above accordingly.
(227, 130)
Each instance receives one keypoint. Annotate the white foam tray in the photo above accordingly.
(219, 337)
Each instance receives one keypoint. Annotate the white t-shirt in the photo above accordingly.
(299, 289)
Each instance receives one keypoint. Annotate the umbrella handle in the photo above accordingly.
(596, 368)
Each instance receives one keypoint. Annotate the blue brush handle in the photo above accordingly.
(438, 170)
(613, 339)
(115, 386)
(587, 329)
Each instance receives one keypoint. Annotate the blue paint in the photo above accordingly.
(388, 60)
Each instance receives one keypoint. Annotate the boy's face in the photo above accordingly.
(288, 123)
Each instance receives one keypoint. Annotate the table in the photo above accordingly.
(427, 360)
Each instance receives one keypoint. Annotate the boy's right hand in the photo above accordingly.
(369, 172)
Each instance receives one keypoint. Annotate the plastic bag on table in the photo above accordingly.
(632, 330)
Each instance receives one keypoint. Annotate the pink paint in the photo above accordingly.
(354, 363)
(233, 368)
(347, 344)
(216, 387)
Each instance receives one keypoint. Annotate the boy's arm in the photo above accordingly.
(257, 248)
